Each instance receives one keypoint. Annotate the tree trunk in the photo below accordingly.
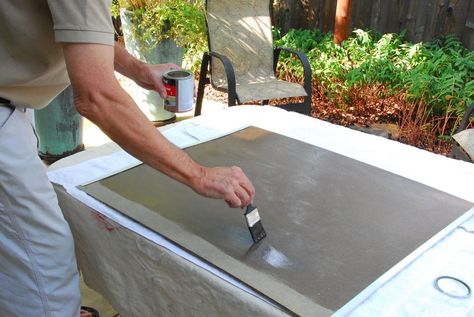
(343, 15)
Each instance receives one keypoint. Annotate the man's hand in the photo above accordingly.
(151, 77)
(228, 183)
(145, 75)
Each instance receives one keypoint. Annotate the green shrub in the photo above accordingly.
(439, 73)
(180, 20)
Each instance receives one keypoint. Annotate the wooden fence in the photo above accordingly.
(423, 20)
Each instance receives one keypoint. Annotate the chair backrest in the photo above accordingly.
(240, 30)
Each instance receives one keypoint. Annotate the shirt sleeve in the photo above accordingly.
(82, 21)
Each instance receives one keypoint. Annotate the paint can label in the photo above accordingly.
(179, 86)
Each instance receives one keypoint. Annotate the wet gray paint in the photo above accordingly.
(334, 224)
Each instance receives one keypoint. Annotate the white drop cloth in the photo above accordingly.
(408, 293)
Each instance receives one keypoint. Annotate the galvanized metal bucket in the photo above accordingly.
(149, 101)
(59, 128)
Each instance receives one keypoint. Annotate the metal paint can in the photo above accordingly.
(179, 86)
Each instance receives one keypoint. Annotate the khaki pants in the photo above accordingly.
(38, 270)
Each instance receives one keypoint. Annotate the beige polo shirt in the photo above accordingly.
(32, 68)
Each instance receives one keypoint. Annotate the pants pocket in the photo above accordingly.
(5, 114)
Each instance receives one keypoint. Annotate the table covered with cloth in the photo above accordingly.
(142, 273)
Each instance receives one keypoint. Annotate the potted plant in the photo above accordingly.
(161, 31)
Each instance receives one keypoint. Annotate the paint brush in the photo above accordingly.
(254, 223)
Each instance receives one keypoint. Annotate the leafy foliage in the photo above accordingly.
(438, 74)
(180, 20)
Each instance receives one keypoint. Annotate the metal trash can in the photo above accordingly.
(59, 128)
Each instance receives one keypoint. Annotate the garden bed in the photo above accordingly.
(419, 92)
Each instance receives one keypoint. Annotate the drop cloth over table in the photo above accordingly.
(360, 218)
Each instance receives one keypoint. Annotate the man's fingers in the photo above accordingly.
(155, 77)
(232, 200)
(173, 66)
(246, 184)
(158, 85)
(248, 187)
(243, 196)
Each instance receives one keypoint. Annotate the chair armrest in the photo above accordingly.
(230, 74)
(465, 120)
(203, 79)
(304, 61)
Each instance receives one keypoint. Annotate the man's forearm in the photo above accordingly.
(181, 166)
(125, 63)
(110, 107)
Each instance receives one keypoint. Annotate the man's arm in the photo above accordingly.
(99, 97)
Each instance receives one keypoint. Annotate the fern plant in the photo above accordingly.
(439, 73)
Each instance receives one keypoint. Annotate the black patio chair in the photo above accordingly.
(241, 59)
